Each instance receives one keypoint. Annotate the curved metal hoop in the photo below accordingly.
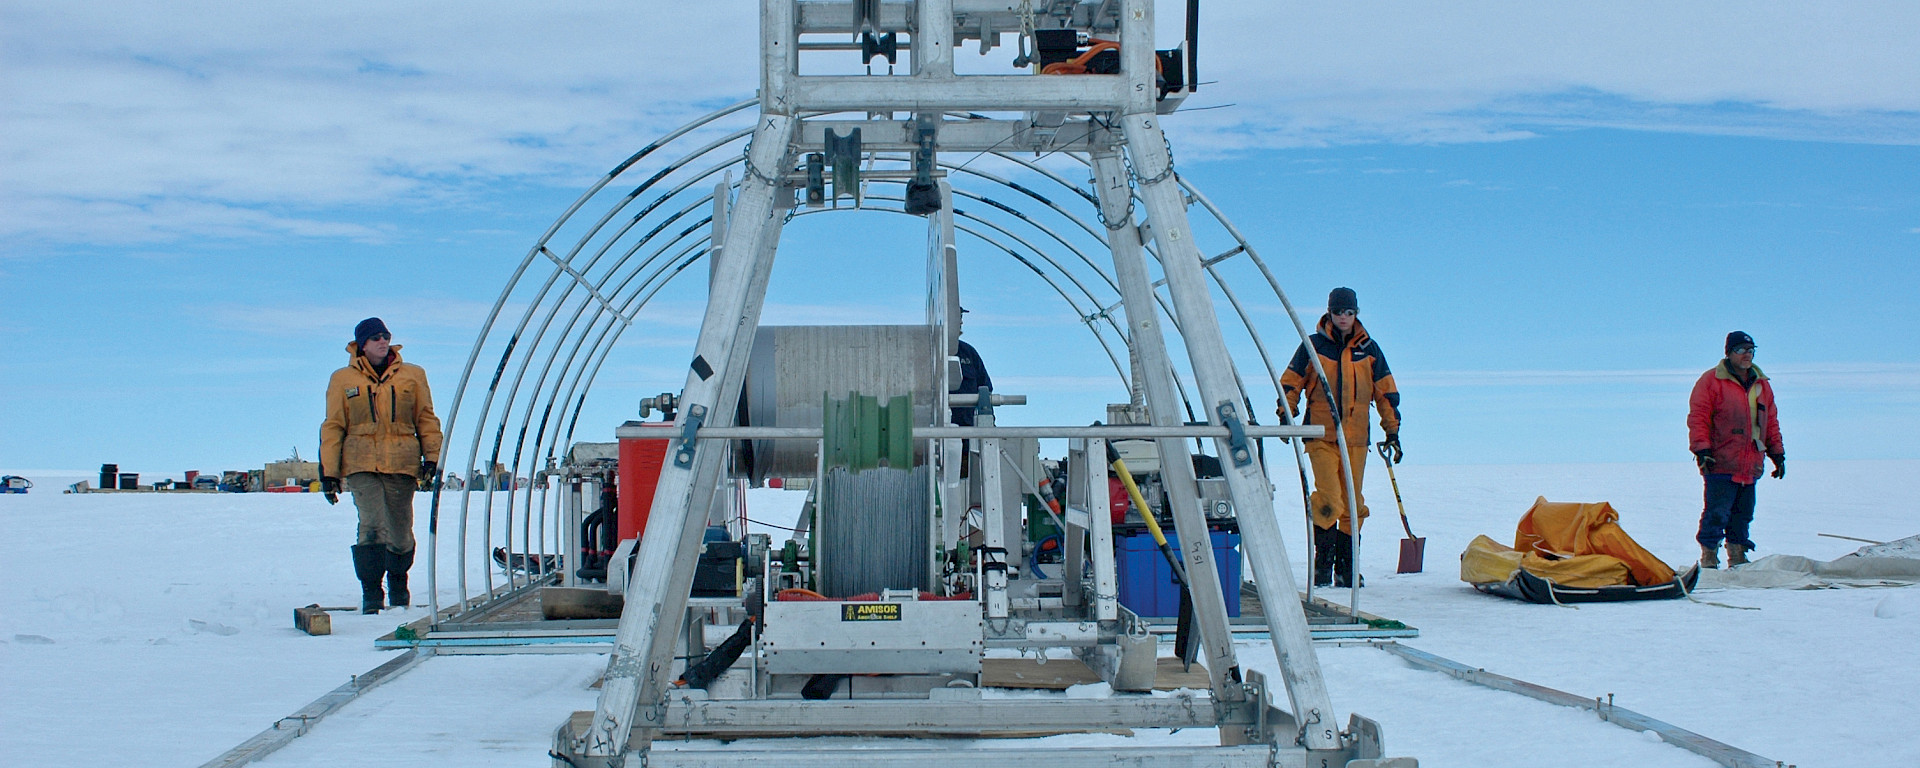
(550, 358)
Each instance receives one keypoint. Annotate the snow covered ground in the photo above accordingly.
(157, 629)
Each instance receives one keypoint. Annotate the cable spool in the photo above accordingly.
(874, 523)
(793, 366)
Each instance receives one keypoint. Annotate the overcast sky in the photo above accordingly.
(198, 199)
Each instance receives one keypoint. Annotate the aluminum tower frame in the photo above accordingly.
(631, 709)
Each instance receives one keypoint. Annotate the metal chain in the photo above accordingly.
(1026, 35)
(1101, 210)
(1125, 221)
(746, 159)
(1164, 173)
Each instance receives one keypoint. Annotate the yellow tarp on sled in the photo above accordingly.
(1570, 544)
(1487, 561)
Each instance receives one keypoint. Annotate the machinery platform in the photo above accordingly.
(514, 625)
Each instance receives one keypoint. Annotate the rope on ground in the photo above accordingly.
(1682, 581)
(1722, 605)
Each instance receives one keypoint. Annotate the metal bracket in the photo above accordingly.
(696, 415)
(1237, 445)
(843, 153)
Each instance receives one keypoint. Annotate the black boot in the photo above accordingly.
(1322, 557)
(397, 567)
(1342, 546)
(370, 564)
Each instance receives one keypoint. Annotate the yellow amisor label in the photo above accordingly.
(870, 612)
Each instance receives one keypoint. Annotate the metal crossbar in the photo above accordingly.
(1113, 432)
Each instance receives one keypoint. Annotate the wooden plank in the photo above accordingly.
(1055, 675)
(579, 603)
(1168, 675)
(1061, 674)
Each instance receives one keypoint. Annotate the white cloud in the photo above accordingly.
(313, 319)
(1448, 71)
(145, 121)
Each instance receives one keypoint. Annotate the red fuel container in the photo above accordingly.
(640, 461)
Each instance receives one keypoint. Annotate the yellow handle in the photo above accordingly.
(1133, 492)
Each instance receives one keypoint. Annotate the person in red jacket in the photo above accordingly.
(1731, 425)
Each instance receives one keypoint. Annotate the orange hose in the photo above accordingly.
(1078, 64)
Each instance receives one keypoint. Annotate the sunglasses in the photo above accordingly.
(380, 337)
(1741, 351)
(1343, 312)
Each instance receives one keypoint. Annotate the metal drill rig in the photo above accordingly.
(916, 624)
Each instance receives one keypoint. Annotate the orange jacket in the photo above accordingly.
(1358, 373)
(378, 422)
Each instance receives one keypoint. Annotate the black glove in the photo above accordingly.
(1779, 467)
(1390, 448)
(1286, 416)
(1704, 458)
(429, 475)
(330, 488)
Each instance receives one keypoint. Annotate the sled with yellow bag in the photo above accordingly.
(1570, 552)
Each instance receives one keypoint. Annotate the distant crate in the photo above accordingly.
(279, 474)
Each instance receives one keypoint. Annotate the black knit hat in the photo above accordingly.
(1738, 339)
(1342, 298)
(367, 329)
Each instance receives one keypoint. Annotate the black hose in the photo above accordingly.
(1193, 45)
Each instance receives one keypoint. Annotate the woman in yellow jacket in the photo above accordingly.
(1358, 375)
(379, 441)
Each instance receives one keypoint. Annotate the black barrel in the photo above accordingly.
(129, 481)
(109, 476)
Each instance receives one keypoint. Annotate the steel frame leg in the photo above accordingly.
(1213, 372)
(1148, 346)
(662, 577)
(994, 556)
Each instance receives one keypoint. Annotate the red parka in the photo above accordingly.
(1736, 421)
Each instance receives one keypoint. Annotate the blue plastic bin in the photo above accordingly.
(1146, 581)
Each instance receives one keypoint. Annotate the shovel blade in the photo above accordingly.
(1413, 553)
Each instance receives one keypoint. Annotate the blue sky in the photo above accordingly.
(1552, 214)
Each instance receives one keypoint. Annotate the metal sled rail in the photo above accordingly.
(1719, 752)
(1055, 757)
(286, 729)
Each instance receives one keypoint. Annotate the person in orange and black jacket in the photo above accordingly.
(379, 441)
(1731, 424)
(1358, 374)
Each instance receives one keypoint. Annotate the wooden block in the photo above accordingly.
(1169, 676)
(579, 603)
(313, 620)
